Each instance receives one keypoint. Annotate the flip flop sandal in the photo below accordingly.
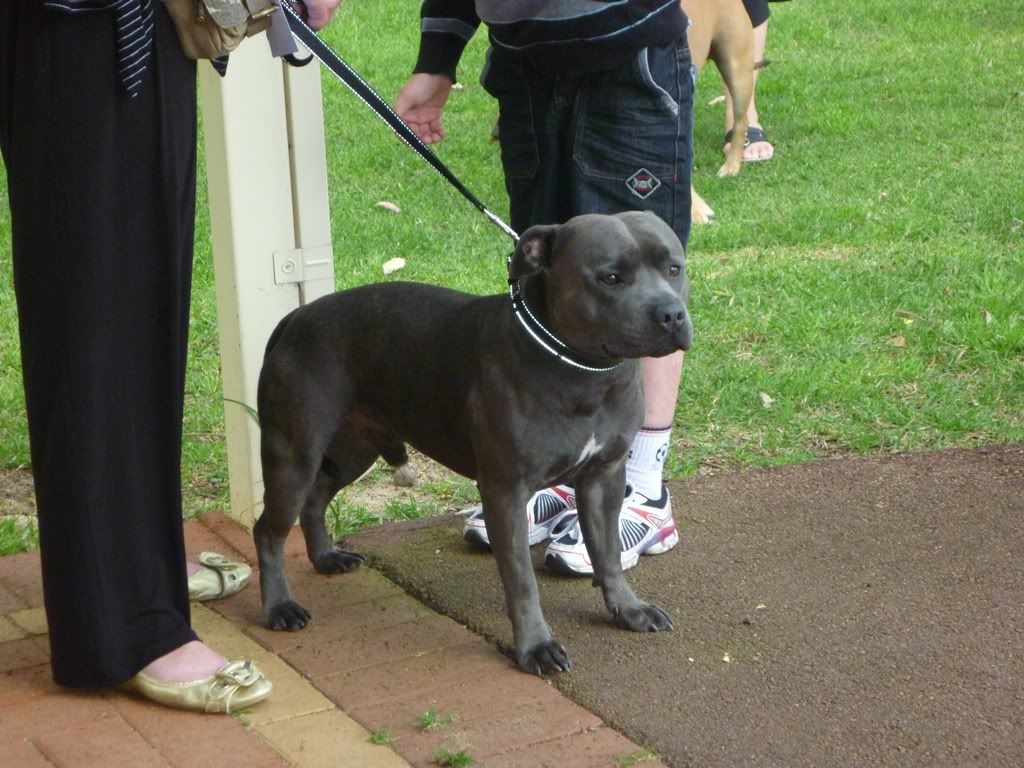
(754, 134)
(219, 577)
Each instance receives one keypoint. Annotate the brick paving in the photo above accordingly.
(372, 662)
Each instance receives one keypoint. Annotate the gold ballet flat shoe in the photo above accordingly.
(219, 577)
(235, 686)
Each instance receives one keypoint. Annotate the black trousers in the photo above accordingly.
(102, 196)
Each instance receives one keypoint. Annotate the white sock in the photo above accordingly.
(645, 466)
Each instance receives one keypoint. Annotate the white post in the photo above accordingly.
(270, 222)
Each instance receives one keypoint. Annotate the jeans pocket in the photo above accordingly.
(506, 82)
(662, 95)
(629, 118)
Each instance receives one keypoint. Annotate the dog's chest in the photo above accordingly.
(587, 448)
(591, 449)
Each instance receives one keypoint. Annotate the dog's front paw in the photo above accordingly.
(545, 658)
(288, 615)
(338, 561)
(643, 617)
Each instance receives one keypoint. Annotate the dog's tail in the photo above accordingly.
(276, 333)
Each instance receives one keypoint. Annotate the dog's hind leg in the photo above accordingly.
(736, 64)
(289, 475)
(348, 458)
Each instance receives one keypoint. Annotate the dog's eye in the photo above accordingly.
(611, 279)
(674, 270)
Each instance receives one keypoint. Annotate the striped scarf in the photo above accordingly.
(133, 22)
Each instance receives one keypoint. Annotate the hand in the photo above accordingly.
(319, 12)
(421, 103)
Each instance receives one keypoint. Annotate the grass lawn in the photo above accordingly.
(863, 292)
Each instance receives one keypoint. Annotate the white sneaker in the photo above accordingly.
(548, 513)
(646, 527)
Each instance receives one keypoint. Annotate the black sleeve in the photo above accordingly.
(446, 26)
(758, 11)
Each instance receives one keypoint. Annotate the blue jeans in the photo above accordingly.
(601, 142)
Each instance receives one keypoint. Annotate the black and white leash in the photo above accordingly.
(373, 100)
(295, 16)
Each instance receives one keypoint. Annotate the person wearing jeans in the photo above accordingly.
(595, 116)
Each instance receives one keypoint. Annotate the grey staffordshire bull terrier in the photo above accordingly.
(478, 385)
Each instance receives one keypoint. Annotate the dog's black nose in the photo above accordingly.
(674, 320)
(671, 317)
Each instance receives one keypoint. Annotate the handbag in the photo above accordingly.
(209, 29)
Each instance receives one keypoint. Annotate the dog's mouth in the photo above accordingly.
(651, 347)
(635, 353)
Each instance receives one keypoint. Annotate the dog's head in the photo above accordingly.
(613, 286)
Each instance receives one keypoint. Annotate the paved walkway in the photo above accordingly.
(839, 613)
(373, 662)
(849, 612)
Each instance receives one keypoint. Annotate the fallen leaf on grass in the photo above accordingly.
(766, 400)
(716, 100)
(988, 316)
(387, 205)
(898, 340)
(393, 265)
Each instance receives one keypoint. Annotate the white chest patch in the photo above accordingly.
(590, 449)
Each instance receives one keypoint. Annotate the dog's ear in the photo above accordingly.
(533, 253)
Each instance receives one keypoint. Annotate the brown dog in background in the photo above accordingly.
(720, 30)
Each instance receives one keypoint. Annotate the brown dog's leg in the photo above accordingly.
(737, 71)
(700, 211)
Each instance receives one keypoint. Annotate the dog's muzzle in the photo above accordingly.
(673, 320)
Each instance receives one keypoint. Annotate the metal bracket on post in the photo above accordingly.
(297, 265)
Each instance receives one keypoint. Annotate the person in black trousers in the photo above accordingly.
(98, 134)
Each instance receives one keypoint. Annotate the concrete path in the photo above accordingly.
(839, 613)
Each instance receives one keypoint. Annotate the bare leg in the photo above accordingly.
(661, 377)
(645, 465)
